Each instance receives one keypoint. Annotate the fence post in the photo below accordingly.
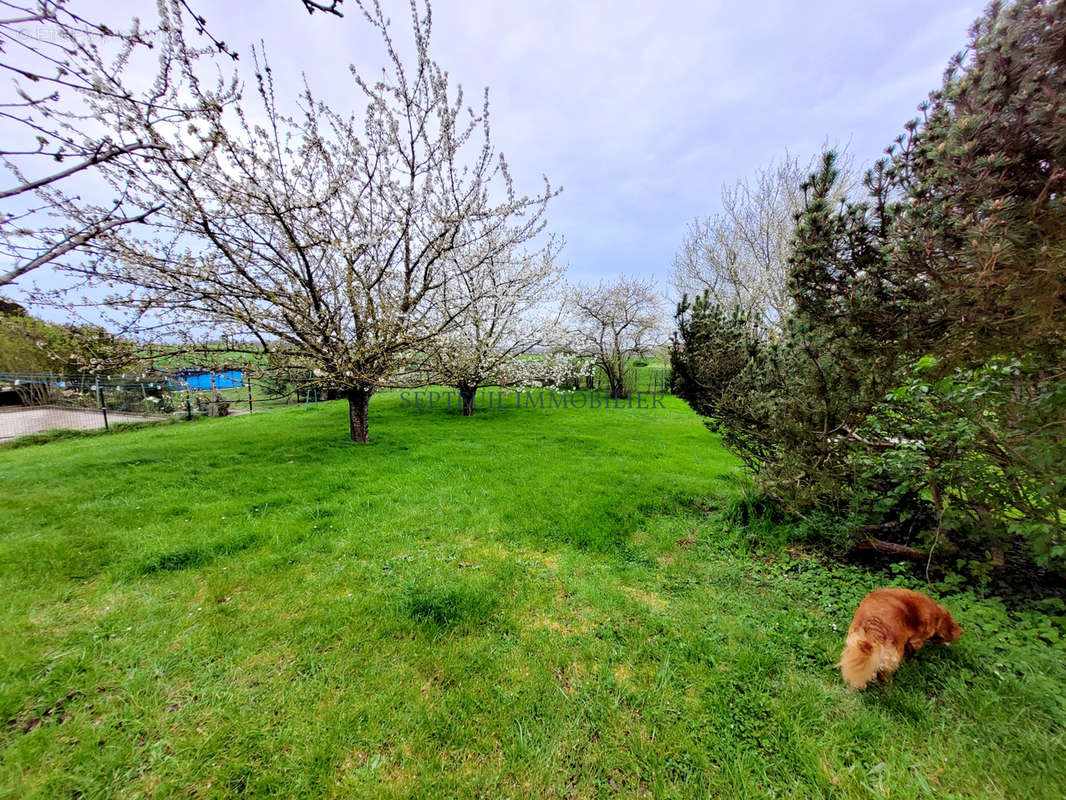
(188, 405)
(103, 405)
(250, 409)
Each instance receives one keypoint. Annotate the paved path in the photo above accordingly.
(17, 421)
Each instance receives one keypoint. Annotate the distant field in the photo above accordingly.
(525, 603)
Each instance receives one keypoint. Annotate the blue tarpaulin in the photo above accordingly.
(201, 381)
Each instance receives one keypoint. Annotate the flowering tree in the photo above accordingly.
(739, 257)
(324, 237)
(507, 312)
(61, 65)
(615, 321)
(55, 143)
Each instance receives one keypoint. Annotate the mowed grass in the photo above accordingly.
(526, 603)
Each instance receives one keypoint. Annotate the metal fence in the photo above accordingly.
(642, 378)
(31, 403)
(35, 402)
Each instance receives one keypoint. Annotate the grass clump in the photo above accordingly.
(197, 556)
(450, 605)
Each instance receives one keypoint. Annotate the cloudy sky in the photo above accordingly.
(641, 111)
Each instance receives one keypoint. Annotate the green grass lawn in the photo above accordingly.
(524, 603)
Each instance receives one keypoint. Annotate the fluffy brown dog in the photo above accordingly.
(890, 625)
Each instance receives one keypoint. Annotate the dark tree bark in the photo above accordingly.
(358, 413)
(616, 381)
(467, 392)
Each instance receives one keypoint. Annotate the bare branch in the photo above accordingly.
(332, 7)
(71, 242)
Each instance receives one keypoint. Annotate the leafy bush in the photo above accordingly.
(977, 440)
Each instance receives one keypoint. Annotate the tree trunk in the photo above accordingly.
(615, 383)
(467, 393)
(358, 411)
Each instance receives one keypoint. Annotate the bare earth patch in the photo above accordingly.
(649, 599)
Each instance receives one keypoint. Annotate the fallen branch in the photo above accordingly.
(881, 546)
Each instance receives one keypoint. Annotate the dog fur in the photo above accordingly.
(890, 625)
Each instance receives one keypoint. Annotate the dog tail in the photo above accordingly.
(863, 659)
